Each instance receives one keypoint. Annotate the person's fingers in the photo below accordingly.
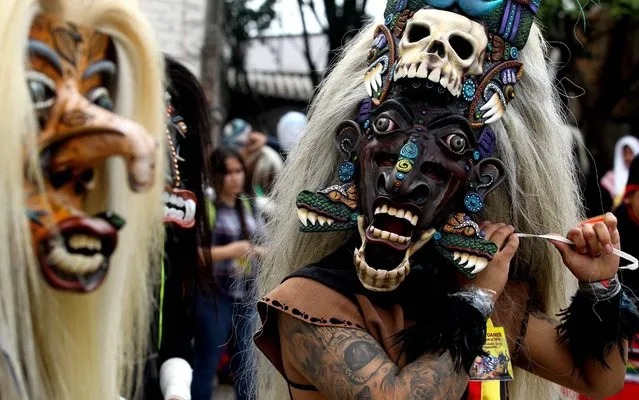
(610, 220)
(490, 229)
(594, 248)
(501, 234)
(603, 236)
(484, 224)
(576, 235)
(511, 246)
(564, 249)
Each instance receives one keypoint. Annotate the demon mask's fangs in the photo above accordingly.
(381, 280)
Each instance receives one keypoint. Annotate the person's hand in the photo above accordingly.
(495, 275)
(255, 142)
(240, 248)
(257, 251)
(591, 258)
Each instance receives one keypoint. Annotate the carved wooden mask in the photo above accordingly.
(71, 75)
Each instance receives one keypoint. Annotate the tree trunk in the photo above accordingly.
(211, 74)
(608, 93)
(312, 69)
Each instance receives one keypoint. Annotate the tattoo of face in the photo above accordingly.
(358, 354)
(350, 364)
(365, 394)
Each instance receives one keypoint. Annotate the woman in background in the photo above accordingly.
(226, 317)
(614, 181)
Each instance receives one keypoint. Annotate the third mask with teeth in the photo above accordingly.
(179, 203)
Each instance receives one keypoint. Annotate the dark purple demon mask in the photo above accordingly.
(417, 159)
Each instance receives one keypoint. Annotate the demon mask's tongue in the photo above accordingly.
(384, 279)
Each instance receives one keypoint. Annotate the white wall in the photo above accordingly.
(179, 26)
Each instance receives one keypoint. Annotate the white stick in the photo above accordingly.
(634, 263)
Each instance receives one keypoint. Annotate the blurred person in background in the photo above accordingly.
(168, 371)
(628, 221)
(261, 157)
(614, 181)
(628, 224)
(226, 319)
(289, 130)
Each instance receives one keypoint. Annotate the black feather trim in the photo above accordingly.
(592, 329)
(452, 325)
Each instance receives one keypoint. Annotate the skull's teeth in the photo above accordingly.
(435, 75)
(421, 70)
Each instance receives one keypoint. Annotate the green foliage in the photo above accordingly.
(243, 21)
(624, 8)
(552, 11)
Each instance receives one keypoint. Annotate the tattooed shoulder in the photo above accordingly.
(346, 363)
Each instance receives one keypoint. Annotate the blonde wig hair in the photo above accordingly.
(59, 345)
(539, 194)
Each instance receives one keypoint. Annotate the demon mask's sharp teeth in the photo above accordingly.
(456, 256)
(423, 239)
(312, 217)
(302, 214)
(381, 280)
(471, 262)
(464, 258)
(480, 264)
(362, 230)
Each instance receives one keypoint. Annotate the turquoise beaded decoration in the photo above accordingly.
(473, 202)
(469, 88)
(346, 171)
(409, 151)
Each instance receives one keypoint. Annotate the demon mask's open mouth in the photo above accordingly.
(389, 241)
(76, 257)
(179, 207)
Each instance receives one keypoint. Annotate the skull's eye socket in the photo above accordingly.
(384, 124)
(417, 33)
(461, 46)
(456, 143)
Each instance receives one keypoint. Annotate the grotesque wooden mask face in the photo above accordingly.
(71, 76)
(179, 202)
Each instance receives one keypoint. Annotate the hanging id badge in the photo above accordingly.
(496, 365)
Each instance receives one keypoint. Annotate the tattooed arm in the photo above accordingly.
(349, 364)
(550, 360)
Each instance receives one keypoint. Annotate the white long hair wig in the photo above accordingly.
(539, 194)
(58, 345)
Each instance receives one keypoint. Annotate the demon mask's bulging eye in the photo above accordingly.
(456, 143)
(383, 125)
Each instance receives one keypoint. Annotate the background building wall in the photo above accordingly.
(179, 26)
